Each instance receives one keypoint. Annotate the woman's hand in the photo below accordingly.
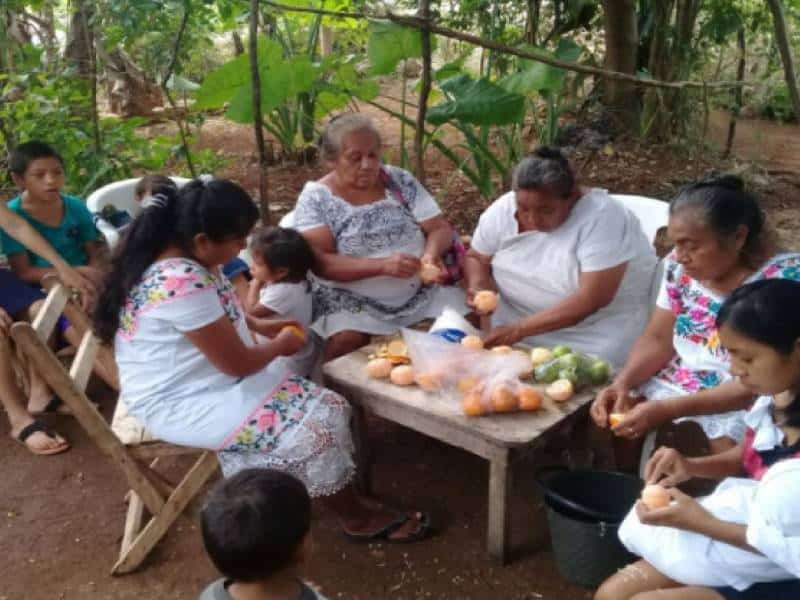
(288, 342)
(683, 513)
(640, 419)
(612, 399)
(5, 322)
(668, 467)
(505, 335)
(401, 266)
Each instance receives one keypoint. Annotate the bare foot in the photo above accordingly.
(39, 396)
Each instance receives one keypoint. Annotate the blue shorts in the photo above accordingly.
(772, 590)
(236, 267)
(16, 295)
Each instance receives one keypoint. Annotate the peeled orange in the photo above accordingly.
(402, 375)
(615, 419)
(296, 331)
(379, 368)
(430, 382)
(485, 301)
(655, 496)
(473, 342)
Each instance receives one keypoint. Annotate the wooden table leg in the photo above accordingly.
(362, 453)
(499, 496)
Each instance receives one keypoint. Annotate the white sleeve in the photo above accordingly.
(773, 527)
(192, 310)
(422, 205)
(279, 298)
(605, 242)
(311, 208)
(490, 231)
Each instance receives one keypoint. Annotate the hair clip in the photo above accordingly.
(157, 201)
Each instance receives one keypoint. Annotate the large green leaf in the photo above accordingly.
(224, 83)
(539, 77)
(390, 43)
(478, 102)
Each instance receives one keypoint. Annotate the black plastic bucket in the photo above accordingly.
(584, 510)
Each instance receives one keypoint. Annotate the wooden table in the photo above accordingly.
(494, 438)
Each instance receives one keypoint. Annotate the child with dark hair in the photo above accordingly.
(62, 220)
(743, 541)
(256, 530)
(282, 259)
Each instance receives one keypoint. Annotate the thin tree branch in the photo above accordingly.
(425, 35)
(417, 23)
(167, 75)
(258, 118)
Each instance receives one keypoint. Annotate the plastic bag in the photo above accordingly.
(482, 381)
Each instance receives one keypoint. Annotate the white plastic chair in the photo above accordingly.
(287, 220)
(120, 195)
(652, 215)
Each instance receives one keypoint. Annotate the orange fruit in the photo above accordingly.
(467, 384)
(430, 382)
(402, 375)
(379, 368)
(502, 349)
(503, 399)
(485, 301)
(560, 390)
(530, 399)
(471, 404)
(615, 419)
(473, 342)
(655, 496)
(429, 273)
(296, 331)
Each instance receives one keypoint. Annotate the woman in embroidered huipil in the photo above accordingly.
(678, 365)
(191, 372)
(372, 227)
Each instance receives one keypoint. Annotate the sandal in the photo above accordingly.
(39, 427)
(380, 534)
(423, 531)
(384, 534)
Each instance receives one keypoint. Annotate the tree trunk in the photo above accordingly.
(532, 28)
(741, 42)
(80, 39)
(782, 41)
(425, 90)
(326, 41)
(258, 121)
(622, 42)
(130, 93)
(238, 45)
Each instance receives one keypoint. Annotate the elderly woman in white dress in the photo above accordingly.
(372, 228)
(571, 264)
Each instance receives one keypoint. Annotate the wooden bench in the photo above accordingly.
(128, 445)
(494, 438)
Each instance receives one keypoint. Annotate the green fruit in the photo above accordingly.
(569, 361)
(561, 351)
(599, 372)
(547, 373)
(568, 374)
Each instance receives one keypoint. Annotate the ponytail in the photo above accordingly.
(219, 208)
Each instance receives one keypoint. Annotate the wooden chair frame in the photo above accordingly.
(148, 488)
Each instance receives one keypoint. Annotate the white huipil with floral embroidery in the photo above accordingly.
(381, 304)
(700, 362)
(267, 419)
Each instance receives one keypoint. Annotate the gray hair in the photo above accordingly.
(330, 142)
(546, 168)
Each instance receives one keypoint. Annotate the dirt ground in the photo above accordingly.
(61, 517)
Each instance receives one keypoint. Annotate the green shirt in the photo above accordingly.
(68, 238)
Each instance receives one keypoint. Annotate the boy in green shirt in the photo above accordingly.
(64, 221)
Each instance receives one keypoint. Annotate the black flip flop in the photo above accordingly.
(52, 407)
(423, 531)
(35, 427)
(382, 534)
